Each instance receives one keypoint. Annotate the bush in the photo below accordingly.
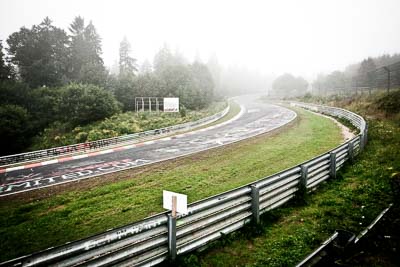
(84, 103)
(14, 129)
(390, 103)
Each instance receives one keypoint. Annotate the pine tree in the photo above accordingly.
(127, 64)
(366, 73)
(86, 63)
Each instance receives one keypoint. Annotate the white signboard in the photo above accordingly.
(181, 201)
(171, 104)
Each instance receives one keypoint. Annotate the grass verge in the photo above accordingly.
(361, 191)
(28, 225)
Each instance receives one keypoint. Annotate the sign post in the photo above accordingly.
(176, 203)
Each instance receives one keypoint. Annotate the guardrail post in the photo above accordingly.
(303, 179)
(362, 141)
(172, 237)
(351, 151)
(255, 203)
(333, 165)
(366, 134)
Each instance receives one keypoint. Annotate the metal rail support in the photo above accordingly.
(351, 151)
(172, 237)
(362, 141)
(333, 165)
(303, 179)
(366, 134)
(255, 203)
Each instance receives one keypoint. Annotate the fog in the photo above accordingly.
(268, 38)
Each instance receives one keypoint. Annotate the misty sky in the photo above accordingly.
(301, 37)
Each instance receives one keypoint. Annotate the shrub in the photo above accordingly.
(14, 129)
(84, 103)
(390, 103)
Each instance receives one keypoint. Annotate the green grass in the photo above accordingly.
(361, 191)
(28, 226)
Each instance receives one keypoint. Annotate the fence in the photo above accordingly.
(90, 146)
(160, 237)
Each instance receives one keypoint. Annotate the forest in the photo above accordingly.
(56, 78)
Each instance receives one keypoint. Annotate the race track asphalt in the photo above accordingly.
(255, 118)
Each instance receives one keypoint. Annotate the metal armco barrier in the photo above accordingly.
(89, 146)
(341, 245)
(158, 238)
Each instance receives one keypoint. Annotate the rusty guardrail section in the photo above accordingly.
(161, 237)
(95, 145)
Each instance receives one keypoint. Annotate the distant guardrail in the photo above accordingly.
(99, 144)
(160, 237)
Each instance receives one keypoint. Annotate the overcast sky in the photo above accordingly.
(301, 37)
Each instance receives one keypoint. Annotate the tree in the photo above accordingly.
(86, 64)
(14, 125)
(165, 58)
(80, 104)
(125, 92)
(77, 48)
(6, 70)
(44, 107)
(335, 81)
(146, 67)
(14, 93)
(215, 70)
(203, 84)
(127, 64)
(287, 85)
(366, 73)
(40, 53)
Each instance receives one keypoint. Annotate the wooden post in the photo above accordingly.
(174, 206)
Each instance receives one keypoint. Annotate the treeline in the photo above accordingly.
(368, 73)
(49, 76)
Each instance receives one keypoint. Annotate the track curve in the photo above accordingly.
(255, 118)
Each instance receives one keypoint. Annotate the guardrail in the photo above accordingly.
(95, 145)
(161, 237)
(341, 245)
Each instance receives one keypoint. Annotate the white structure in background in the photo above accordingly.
(166, 104)
(171, 104)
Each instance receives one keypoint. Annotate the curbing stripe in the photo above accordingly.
(106, 151)
(49, 162)
(32, 165)
(80, 156)
(65, 159)
(15, 168)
